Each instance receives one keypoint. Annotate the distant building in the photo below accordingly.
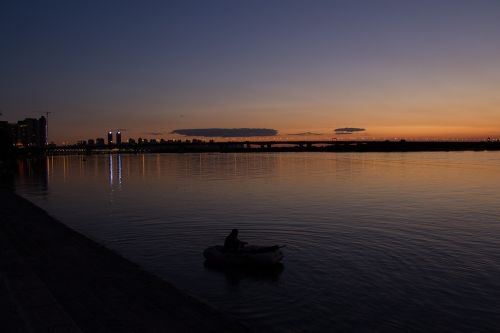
(6, 143)
(110, 138)
(118, 138)
(30, 132)
(140, 141)
(99, 141)
(131, 141)
(5, 128)
(43, 130)
(91, 142)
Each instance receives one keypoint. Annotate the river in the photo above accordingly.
(374, 241)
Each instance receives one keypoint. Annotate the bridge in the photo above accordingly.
(188, 146)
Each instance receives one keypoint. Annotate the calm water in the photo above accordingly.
(375, 241)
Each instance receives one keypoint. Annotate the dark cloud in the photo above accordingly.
(226, 132)
(348, 130)
(305, 134)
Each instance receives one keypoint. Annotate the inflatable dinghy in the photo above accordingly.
(251, 255)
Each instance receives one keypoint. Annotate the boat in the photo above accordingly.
(251, 255)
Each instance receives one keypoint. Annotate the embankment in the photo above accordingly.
(53, 279)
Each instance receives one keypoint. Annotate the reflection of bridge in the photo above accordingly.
(280, 146)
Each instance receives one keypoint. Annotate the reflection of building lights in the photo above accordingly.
(143, 165)
(48, 168)
(64, 168)
(158, 165)
(119, 169)
(110, 169)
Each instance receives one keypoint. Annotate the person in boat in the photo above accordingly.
(232, 243)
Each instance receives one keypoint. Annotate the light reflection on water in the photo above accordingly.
(375, 241)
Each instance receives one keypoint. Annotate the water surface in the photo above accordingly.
(374, 241)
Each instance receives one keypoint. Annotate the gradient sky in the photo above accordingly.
(397, 68)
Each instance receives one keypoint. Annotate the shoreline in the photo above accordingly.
(270, 146)
(54, 279)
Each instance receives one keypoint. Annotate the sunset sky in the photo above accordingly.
(413, 69)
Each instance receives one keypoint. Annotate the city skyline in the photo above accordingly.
(400, 70)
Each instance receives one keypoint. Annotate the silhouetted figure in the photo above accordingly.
(232, 243)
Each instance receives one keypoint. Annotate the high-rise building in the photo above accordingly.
(110, 138)
(5, 139)
(30, 132)
(118, 138)
(42, 131)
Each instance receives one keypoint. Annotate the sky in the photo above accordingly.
(398, 68)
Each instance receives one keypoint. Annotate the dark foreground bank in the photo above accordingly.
(53, 279)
